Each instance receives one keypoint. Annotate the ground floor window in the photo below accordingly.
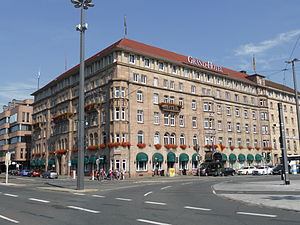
(124, 164)
(195, 164)
(170, 165)
(157, 166)
(183, 165)
(141, 166)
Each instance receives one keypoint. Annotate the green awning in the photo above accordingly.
(224, 157)
(183, 157)
(195, 158)
(241, 158)
(250, 158)
(86, 160)
(38, 162)
(232, 157)
(74, 161)
(171, 157)
(258, 157)
(142, 157)
(92, 159)
(43, 162)
(157, 157)
(102, 159)
(51, 162)
(32, 163)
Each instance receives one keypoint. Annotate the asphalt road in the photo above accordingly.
(181, 201)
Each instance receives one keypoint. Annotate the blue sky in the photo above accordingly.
(39, 35)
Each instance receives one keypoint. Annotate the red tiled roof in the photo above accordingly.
(279, 86)
(144, 49)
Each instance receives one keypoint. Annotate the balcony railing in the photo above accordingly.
(170, 107)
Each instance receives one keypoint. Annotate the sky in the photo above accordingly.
(40, 36)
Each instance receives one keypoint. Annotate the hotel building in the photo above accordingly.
(15, 132)
(150, 109)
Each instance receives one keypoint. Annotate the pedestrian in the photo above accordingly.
(123, 174)
(97, 175)
(110, 174)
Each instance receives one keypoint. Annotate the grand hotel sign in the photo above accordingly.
(206, 65)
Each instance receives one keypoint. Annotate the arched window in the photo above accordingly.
(66, 144)
(156, 138)
(195, 140)
(140, 137)
(172, 139)
(182, 139)
(96, 138)
(166, 139)
(91, 139)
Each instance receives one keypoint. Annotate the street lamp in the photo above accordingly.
(296, 94)
(84, 5)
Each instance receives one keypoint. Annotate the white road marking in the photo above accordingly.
(152, 222)
(8, 219)
(256, 214)
(11, 195)
(98, 196)
(148, 193)
(163, 188)
(202, 209)
(78, 193)
(38, 200)
(186, 183)
(155, 203)
(83, 209)
(124, 199)
(214, 192)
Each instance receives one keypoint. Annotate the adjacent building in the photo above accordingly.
(15, 132)
(149, 109)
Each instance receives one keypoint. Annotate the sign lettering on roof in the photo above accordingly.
(206, 65)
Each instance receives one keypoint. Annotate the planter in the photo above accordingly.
(157, 146)
(183, 147)
(231, 147)
(141, 145)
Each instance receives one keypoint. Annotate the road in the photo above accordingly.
(162, 202)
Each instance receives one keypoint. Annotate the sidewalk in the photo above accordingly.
(265, 193)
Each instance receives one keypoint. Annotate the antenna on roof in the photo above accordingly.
(66, 63)
(125, 27)
(254, 64)
(38, 79)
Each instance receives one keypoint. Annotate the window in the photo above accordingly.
(247, 128)
(123, 92)
(239, 142)
(166, 119)
(218, 94)
(263, 116)
(237, 112)
(194, 122)
(180, 102)
(172, 139)
(206, 122)
(220, 140)
(117, 92)
(140, 116)
(124, 164)
(155, 81)
(135, 77)
(219, 109)
(140, 137)
(254, 128)
(245, 99)
(180, 86)
(264, 129)
(181, 121)
(172, 120)
(236, 98)
(252, 101)
(238, 127)
(156, 118)
(194, 105)
(166, 139)
(144, 79)
(131, 58)
(193, 89)
(155, 98)
(230, 143)
(207, 106)
(253, 115)
(229, 126)
(219, 124)
(228, 110)
(147, 63)
(166, 98)
(246, 113)
(117, 113)
(141, 166)
(174, 69)
(227, 95)
(172, 99)
(186, 72)
(156, 138)
(165, 83)
(161, 66)
(139, 96)
(195, 140)
(182, 139)
(123, 114)
(197, 75)
(172, 85)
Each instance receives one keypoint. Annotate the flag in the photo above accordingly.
(254, 64)
(125, 26)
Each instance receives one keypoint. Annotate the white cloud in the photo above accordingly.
(250, 49)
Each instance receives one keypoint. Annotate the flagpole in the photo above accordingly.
(254, 64)
(125, 27)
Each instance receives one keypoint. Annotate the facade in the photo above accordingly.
(15, 132)
(149, 110)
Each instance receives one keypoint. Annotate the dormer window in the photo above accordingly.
(132, 59)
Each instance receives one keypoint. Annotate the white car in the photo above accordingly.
(246, 170)
(262, 170)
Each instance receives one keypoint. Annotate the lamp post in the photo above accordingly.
(296, 94)
(84, 5)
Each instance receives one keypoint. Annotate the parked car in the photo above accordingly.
(34, 174)
(50, 174)
(246, 170)
(211, 169)
(277, 170)
(263, 170)
(228, 171)
(24, 172)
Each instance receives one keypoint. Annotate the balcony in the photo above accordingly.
(62, 117)
(92, 107)
(169, 107)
